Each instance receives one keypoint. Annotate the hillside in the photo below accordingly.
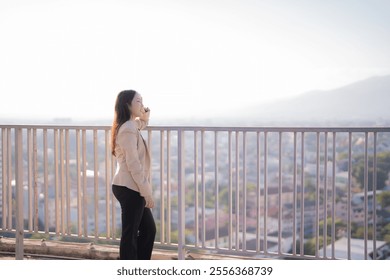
(364, 101)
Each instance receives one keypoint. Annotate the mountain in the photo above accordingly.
(364, 101)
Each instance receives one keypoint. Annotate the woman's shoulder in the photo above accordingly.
(129, 126)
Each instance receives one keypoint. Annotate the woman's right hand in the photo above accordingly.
(149, 202)
(145, 114)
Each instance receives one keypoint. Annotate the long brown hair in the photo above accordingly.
(122, 114)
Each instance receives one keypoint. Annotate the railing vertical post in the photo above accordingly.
(280, 191)
(162, 186)
(168, 185)
(349, 196)
(19, 194)
(216, 178)
(333, 195)
(265, 191)
(302, 200)
(374, 205)
(366, 195)
(96, 181)
(203, 194)
(181, 196)
(196, 184)
(317, 209)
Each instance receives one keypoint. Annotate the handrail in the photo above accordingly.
(214, 128)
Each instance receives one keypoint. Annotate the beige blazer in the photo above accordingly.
(133, 158)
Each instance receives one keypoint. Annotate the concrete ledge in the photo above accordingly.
(74, 250)
(62, 249)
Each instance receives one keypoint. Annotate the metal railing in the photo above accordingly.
(253, 191)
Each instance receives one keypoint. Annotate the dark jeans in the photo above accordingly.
(138, 227)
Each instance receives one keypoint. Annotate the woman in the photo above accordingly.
(131, 182)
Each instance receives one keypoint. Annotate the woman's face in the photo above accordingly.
(136, 106)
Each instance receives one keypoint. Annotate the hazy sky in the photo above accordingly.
(188, 58)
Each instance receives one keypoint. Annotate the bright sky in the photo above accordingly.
(187, 58)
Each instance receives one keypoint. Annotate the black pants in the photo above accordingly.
(138, 227)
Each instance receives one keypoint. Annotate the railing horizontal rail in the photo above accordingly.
(215, 128)
(259, 191)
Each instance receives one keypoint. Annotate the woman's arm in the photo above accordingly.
(141, 124)
(143, 121)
